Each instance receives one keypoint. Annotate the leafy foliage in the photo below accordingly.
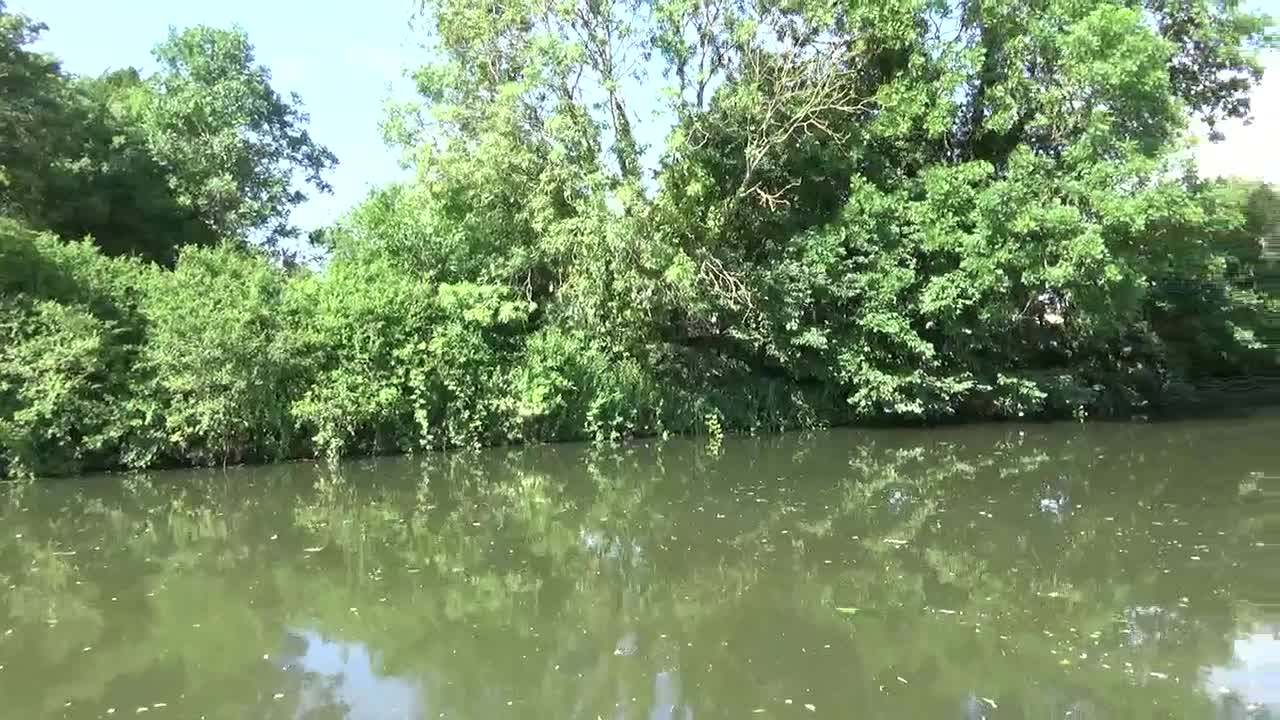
(862, 212)
(69, 330)
(230, 142)
(201, 151)
(213, 357)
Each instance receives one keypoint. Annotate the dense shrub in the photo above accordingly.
(219, 384)
(69, 335)
(108, 362)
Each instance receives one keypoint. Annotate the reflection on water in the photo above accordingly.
(339, 679)
(1100, 571)
(1250, 682)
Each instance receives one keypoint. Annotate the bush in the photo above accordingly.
(219, 381)
(69, 334)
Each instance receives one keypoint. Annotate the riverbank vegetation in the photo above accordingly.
(862, 212)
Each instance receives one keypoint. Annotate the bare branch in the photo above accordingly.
(803, 98)
(725, 283)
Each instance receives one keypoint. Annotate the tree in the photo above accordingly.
(221, 384)
(230, 143)
(203, 150)
(74, 162)
(69, 331)
(32, 98)
(924, 207)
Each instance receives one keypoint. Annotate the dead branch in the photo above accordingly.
(803, 97)
(725, 283)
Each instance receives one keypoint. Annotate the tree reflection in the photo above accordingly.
(989, 572)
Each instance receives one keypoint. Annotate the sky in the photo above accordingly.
(1251, 150)
(346, 59)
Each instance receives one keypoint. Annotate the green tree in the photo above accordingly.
(202, 150)
(31, 109)
(75, 163)
(230, 143)
(921, 208)
(116, 191)
(863, 212)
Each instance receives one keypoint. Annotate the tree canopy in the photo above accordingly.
(233, 144)
(201, 151)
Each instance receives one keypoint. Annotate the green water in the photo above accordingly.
(1066, 571)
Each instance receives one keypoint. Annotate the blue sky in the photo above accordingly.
(345, 60)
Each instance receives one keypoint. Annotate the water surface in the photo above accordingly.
(1099, 571)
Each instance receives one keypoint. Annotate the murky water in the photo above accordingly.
(1100, 571)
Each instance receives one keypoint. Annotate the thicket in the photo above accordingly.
(863, 212)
